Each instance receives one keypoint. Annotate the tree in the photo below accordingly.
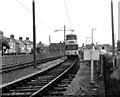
(5, 45)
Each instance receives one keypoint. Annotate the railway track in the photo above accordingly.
(10, 68)
(36, 84)
(60, 87)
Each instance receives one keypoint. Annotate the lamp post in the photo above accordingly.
(92, 36)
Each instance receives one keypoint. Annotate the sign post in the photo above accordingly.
(92, 67)
(91, 55)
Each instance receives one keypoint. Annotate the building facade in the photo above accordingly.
(22, 45)
(29, 45)
(14, 45)
(57, 48)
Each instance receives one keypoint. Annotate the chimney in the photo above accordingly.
(27, 38)
(12, 36)
(20, 38)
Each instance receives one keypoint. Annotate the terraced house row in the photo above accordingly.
(15, 46)
(26, 46)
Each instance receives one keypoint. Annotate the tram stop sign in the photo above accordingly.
(89, 55)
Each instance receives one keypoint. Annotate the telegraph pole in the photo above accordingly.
(34, 35)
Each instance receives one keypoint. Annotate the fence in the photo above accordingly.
(24, 58)
(112, 85)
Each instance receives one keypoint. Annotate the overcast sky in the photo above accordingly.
(16, 18)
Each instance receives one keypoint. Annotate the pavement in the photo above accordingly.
(81, 85)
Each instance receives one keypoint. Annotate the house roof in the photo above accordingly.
(42, 45)
(88, 46)
(28, 42)
(21, 41)
(13, 40)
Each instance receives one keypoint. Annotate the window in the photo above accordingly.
(71, 47)
(71, 37)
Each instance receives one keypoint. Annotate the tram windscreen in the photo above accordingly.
(71, 47)
(72, 37)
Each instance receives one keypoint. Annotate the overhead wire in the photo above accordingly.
(67, 14)
(23, 6)
(31, 13)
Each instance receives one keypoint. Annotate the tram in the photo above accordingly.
(71, 45)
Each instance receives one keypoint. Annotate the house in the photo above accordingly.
(29, 45)
(89, 46)
(61, 47)
(22, 45)
(14, 44)
(42, 48)
(57, 47)
(105, 48)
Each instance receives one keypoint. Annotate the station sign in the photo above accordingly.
(89, 55)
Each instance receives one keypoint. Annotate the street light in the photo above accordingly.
(92, 36)
(86, 39)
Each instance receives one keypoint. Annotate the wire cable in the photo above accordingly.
(31, 13)
(23, 6)
(67, 13)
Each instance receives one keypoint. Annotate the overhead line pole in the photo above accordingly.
(112, 20)
(113, 43)
(34, 35)
(64, 32)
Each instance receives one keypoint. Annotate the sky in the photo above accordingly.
(80, 15)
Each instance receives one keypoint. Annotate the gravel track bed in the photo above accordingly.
(11, 76)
